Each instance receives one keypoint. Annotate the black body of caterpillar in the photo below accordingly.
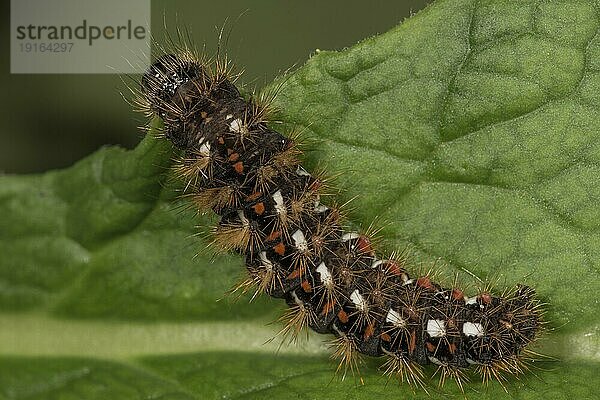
(297, 249)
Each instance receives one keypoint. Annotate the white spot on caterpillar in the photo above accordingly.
(443, 294)
(243, 218)
(395, 319)
(229, 116)
(301, 171)
(473, 329)
(435, 360)
(350, 236)
(238, 126)
(376, 263)
(320, 207)
(297, 299)
(205, 149)
(436, 328)
(471, 300)
(326, 277)
(300, 241)
(265, 261)
(279, 205)
(358, 300)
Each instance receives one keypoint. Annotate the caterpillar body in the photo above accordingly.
(297, 249)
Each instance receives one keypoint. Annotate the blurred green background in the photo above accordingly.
(51, 120)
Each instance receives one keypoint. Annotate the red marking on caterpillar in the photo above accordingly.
(298, 249)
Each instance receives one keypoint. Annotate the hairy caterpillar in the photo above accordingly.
(297, 249)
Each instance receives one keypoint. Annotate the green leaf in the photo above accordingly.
(470, 129)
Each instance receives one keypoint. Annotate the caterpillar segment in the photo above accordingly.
(297, 248)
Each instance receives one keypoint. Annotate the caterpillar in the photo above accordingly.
(298, 249)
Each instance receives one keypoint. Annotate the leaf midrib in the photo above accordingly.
(34, 334)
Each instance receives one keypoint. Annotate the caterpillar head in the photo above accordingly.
(185, 93)
(171, 86)
(165, 77)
